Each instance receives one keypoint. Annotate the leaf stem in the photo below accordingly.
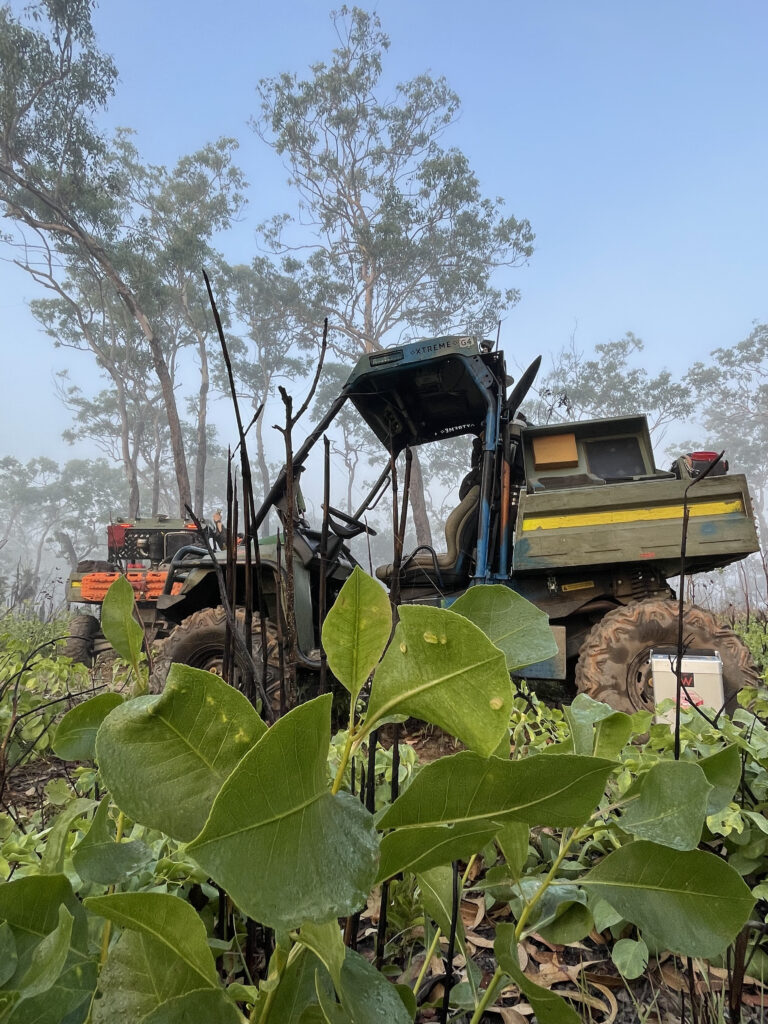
(468, 868)
(351, 735)
(565, 847)
(107, 933)
(427, 960)
(488, 996)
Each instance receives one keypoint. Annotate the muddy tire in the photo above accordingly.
(614, 661)
(199, 641)
(79, 644)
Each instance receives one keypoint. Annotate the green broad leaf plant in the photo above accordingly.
(112, 914)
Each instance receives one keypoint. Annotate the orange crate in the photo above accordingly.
(95, 585)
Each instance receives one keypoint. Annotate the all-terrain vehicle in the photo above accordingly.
(576, 517)
(142, 550)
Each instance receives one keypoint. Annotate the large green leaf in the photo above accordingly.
(56, 844)
(669, 805)
(167, 920)
(560, 914)
(456, 805)
(560, 791)
(367, 996)
(296, 991)
(209, 1005)
(723, 772)
(162, 955)
(356, 630)
(285, 849)
(117, 621)
(164, 757)
(48, 958)
(443, 669)
(75, 737)
(513, 624)
(8, 956)
(692, 902)
(99, 858)
(420, 849)
(327, 943)
(583, 714)
(32, 908)
(436, 887)
(549, 1007)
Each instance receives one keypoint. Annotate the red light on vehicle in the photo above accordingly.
(704, 456)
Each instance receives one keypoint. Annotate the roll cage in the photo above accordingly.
(428, 391)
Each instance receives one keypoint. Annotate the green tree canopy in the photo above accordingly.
(610, 384)
(732, 390)
(400, 238)
(394, 237)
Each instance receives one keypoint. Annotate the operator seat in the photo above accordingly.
(451, 568)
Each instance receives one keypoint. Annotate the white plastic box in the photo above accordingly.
(702, 677)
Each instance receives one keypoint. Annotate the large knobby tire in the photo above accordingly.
(614, 661)
(79, 644)
(199, 641)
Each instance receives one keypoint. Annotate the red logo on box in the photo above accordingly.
(688, 696)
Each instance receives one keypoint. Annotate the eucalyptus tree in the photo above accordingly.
(56, 183)
(77, 202)
(86, 316)
(175, 214)
(394, 236)
(610, 384)
(351, 440)
(732, 403)
(47, 510)
(270, 346)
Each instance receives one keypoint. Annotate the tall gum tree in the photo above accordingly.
(578, 387)
(393, 238)
(55, 178)
(732, 402)
(269, 346)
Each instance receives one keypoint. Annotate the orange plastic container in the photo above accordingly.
(95, 585)
(147, 585)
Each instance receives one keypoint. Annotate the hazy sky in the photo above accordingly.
(632, 135)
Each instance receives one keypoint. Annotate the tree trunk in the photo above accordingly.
(418, 504)
(156, 473)
(202, 422)
(68, 548)
(261, 458)
(129, 459)
(64, 225)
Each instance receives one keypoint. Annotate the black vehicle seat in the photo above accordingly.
(452, 566)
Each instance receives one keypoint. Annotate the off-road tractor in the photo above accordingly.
(576, 517)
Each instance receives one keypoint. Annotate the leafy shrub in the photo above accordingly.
(755, 636)
(579, 828)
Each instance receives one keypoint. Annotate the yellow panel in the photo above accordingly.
(555, 451)
(550, 521)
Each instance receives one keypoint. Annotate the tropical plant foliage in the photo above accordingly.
(118, 911)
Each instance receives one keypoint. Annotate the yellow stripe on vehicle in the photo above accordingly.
(555, 521)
